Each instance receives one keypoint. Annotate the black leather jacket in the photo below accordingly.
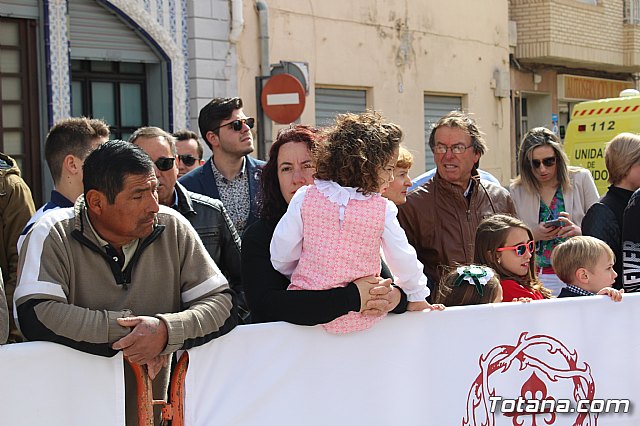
(212, 223)
(604, 221)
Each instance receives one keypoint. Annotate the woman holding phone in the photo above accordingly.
(551, 197)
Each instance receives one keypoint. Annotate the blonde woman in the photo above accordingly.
(398, 187)
(551, 197)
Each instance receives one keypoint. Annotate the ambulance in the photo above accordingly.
(593, 124)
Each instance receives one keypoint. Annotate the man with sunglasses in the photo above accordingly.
(231, 174)
(189, 150)
(441, 216)
(207, 215)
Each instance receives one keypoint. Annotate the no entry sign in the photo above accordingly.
(283, 98)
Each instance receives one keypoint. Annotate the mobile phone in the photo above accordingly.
(555, 223)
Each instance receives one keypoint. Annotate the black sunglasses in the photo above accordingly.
(548, 162)
(187, 160)
(236, 125)
(164, 163)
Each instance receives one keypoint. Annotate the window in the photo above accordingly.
(19, 118)
(112, 91)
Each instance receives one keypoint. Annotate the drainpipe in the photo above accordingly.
(265, 129)
(237, 21)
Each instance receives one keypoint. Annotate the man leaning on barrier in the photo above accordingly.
(119, 272)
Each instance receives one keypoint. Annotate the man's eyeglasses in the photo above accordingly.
(188, 160)
(164, 163)
(236, 125)
(548, 162)
(456, 149)
(520, 249)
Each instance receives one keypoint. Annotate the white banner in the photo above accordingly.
(48, 384)
(440, 368)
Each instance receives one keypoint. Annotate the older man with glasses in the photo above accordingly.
(441, 216)
(207, 216)
(231, 174)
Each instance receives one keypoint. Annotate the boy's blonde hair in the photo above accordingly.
(578, 252)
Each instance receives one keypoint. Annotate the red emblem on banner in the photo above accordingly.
(539, 369)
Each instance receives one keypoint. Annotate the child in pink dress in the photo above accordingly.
(332, 231)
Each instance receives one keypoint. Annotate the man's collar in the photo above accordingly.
(174, 205)
(472, 180)
(182, 202)
(81, 210)
(240, 172)
(60, 200)
(469, 188)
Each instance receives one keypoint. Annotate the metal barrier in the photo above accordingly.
(173, 409)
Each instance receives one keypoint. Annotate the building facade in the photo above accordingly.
(567, 51)
(515, 64)
(412, 60)
(130, 62)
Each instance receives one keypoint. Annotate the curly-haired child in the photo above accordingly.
(333, 230)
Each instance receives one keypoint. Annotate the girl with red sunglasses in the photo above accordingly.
(506, 245)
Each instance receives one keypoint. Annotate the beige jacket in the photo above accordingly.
(16, 208)
(577, 200)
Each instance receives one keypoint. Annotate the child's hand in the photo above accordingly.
(615, 295)
(423, 306)
(418, 306)
(522, 299)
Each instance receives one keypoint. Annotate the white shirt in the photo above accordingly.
(286, 244)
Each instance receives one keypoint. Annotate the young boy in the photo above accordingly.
(585, 264)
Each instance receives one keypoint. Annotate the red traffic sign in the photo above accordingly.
(283, 98)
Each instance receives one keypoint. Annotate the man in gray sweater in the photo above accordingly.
(119, 272)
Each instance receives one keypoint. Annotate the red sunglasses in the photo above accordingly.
(520, 249)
